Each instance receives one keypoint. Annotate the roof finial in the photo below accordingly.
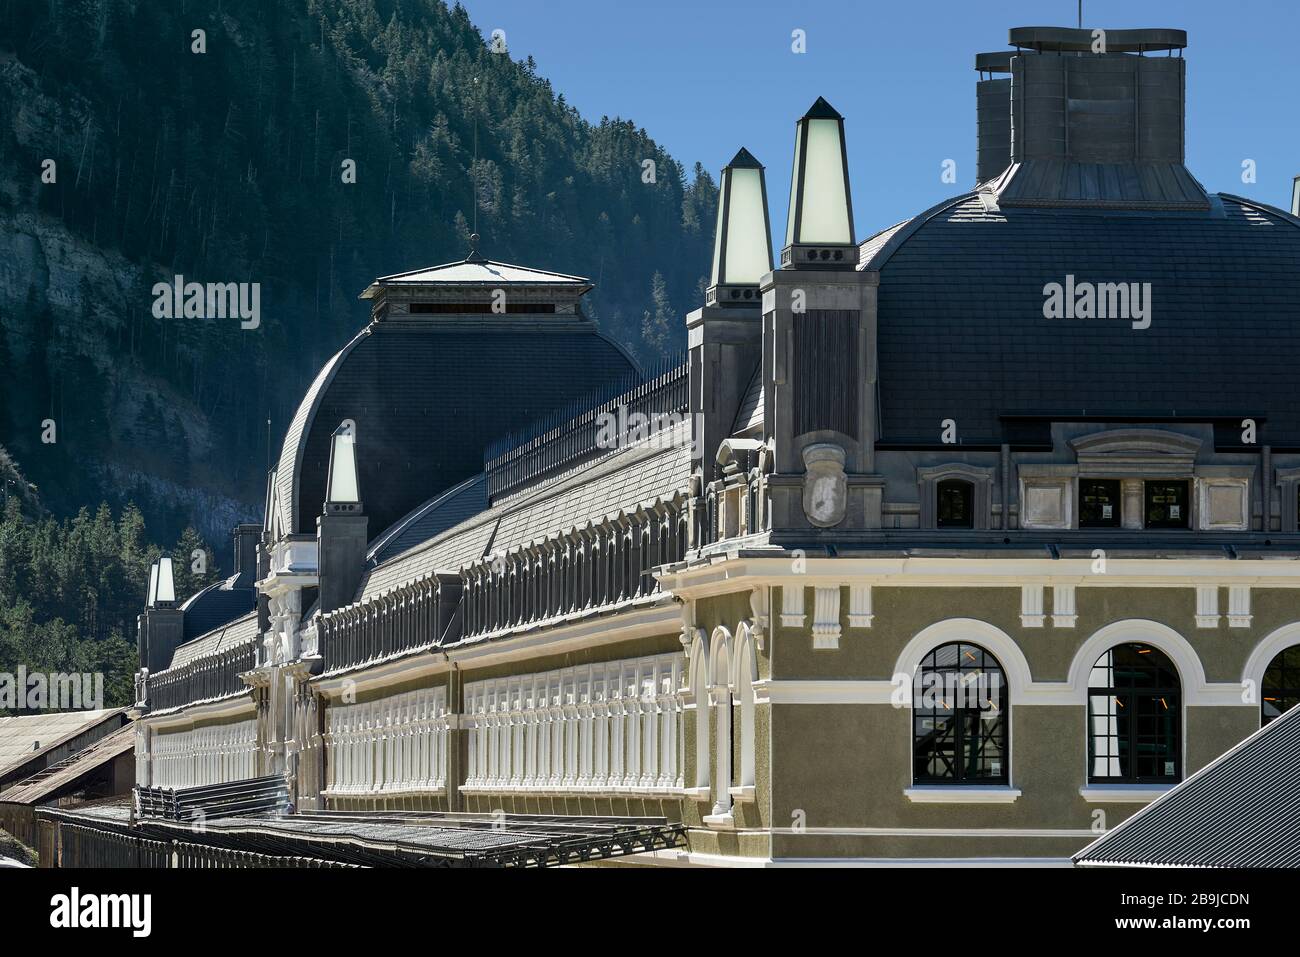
(474, 255)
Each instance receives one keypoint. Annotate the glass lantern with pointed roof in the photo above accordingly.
(742, 245)
(343, 493)
(819, 227)
(165, 590)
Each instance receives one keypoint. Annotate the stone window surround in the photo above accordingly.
(1288, 481)
(1201, 479)
(1132, 456)
(928, 479)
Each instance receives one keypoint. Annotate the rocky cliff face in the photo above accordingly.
(126, 157)
(80, 412)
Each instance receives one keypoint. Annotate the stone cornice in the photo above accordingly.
(728, 576)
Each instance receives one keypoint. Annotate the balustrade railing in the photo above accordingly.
(566, 440)
(206, 678)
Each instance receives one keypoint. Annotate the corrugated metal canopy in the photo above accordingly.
(22, 736)
(70, 770)
(1241, 810)
(408, 838)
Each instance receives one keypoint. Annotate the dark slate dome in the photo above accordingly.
(435, 377)
(962, 332)
(218, 604)
(1081, 163)
(224, 601)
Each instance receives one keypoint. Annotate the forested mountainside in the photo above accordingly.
(127, 158)
(70, 589)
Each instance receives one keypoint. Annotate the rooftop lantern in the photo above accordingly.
(153, 585)
(342, 489)
(742, 245)
(165, 594)
(819, 227)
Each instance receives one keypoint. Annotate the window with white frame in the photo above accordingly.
(1134, 717)
(396, 744)
(613, 726)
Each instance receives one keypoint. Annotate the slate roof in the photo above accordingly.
(750, 414)
(1038, 182)
(962, 333)
(440, 513)
(427, 396)
(873, 244)
(219, 603)
(640, 475)
(241, 631)
(1241, 810)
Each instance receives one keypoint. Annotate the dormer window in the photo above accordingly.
(955, 495)
(1137, 479)
(1165, 504)
(1100, 505)
(955, 501)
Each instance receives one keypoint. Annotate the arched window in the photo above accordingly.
(698, 676)
(1281, 690)
(959, 718)
(955, 504)
(743, 686)
(720, 696)
(1134, 717)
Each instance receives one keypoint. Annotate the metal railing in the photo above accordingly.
(564, 442)
(214, 676)
(232, 799)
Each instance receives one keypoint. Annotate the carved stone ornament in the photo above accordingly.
(825, 487)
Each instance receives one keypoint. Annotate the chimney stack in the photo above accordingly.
(992, 115)
(726, 336)
(1087, 117)
(162, 626)
(819, 360)
(341, 532)
(247, 538)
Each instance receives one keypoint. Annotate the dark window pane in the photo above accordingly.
(955, 504)
(959, 717)
(1281, 689)
(1166, 504)
(1134, 712)
(1099, 503)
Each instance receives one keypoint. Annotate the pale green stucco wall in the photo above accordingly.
(846, 766)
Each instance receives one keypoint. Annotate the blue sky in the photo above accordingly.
(706, 77)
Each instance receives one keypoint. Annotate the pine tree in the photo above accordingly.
(193, 564)
(657, 326)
